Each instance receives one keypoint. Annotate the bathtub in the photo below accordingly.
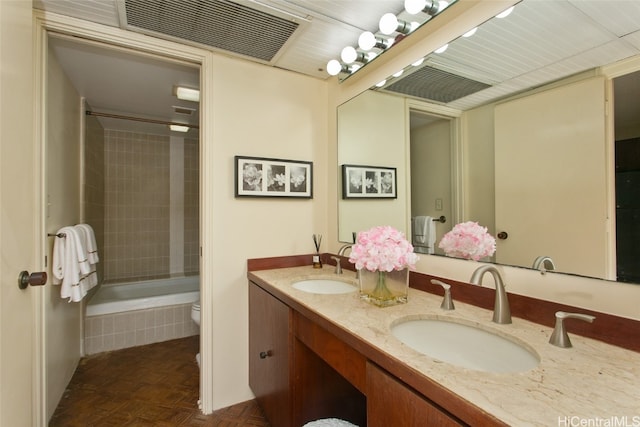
(143, 295)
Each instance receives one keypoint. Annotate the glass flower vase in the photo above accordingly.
(384, 288)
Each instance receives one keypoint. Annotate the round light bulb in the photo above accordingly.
(414, 6)
(398, 74)
(470, 32)
(442, 49)
(505, 13)
(334, 67)
(382, 83)
(418, 62)
(348, 55)
(388, 23)
(367, 40)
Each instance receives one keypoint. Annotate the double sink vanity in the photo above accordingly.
(316, 350)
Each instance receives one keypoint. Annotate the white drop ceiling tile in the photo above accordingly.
(522, 41)
(100, 11)
(363, 14)
(474, 71)
(315, 46)
(621, 17)
(488, 95)
(633, 39)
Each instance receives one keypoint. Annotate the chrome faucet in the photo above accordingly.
(501, 309)
(341, 252)
(559, 337)
(544, 263)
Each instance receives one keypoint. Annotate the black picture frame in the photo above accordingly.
(369, 182)
(265, 177)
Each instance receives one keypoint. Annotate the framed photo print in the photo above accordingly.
(368, 182)
(262, 177)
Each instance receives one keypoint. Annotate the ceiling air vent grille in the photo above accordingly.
(436, 85)
(221, 24)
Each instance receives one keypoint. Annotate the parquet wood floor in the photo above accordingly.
(151, 385)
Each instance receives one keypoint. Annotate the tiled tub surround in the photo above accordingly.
(128, 315)
(140, 327)
(591, 381)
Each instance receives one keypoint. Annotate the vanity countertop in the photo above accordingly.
(590, 382)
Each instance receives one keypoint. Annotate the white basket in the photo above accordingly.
(329, 422)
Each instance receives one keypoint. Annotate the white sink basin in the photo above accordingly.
(324, 286)
(465, 346)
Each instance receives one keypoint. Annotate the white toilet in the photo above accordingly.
(195, 315)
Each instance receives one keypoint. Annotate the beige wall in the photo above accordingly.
(479, 197)
(63, 183)
(264, 112)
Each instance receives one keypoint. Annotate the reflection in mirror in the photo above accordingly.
(532, 68)
(372, 127)
(430, 165)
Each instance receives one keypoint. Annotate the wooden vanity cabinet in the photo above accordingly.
(300, 371)
(270, 349)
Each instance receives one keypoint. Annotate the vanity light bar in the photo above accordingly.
(389, 24)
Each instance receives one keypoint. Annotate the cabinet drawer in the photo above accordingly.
(344, 359)
(392, 403)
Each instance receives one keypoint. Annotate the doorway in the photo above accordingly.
(627, 176)
(431, 154)
(172, 54)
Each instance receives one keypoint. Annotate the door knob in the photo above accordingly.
(503, 235)
(34, 279)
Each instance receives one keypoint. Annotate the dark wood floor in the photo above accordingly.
(151, 385)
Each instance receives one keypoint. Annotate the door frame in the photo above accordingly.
(457, 153)
(85, 31)
(610, 72)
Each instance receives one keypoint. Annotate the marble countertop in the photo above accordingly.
(592, 382)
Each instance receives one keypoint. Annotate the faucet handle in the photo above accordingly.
(559, 337)
(447, 302)
(338, 265)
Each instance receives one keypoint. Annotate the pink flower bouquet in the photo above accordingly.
(382, 248)
(468, 240)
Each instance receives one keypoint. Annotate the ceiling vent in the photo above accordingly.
(220, 24)
(436, 85)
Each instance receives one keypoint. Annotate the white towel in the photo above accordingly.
(88, 238)
(424, 231)
(71, 269)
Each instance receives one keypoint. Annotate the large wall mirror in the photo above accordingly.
(518, 135)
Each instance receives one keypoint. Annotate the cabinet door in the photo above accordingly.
(392, 403)
(269, 350)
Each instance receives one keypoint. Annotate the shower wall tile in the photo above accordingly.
(93, 203)
(191, 206)
(137, 205)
